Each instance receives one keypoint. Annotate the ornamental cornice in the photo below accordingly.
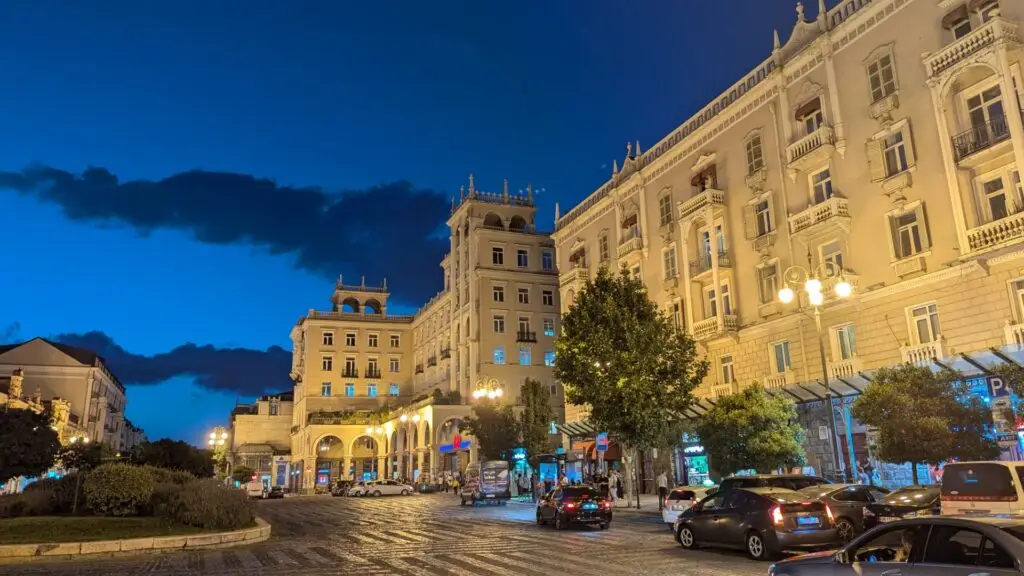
(861, 21)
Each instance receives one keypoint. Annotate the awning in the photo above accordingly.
(255, 450)
(581, 429)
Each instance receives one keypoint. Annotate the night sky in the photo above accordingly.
(180, 181)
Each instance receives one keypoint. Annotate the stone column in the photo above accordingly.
(420, 458)
(719, 304)
(380, 467)
(949, 164)
(1013, 113)
(347, 463)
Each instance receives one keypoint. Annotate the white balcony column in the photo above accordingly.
(642, 194)
(833, 94)
(1013, 111)
(719, 304)
(618, 228)
(949, 164)
(687, 288)
(784, 109)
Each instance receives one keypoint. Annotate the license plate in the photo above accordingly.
(805, 520)
(590, 506)
(888, 518)
(490, 495)
(972, 511)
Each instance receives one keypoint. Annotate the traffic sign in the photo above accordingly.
(602, 442)
(997, 386)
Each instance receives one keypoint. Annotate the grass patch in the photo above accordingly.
(39, 529)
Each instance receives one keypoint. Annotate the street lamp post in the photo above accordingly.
(217, 441)
(488, 388)
(812, 280)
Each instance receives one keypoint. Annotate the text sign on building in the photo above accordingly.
(602, 442)
(997, 387)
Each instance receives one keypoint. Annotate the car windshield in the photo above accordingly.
(579, 492)
(911, 496)
(978, 481)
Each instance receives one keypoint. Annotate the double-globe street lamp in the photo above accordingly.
(377, 434)
(488, 388)
(813, 280)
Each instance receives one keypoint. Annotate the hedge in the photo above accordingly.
(211, 504)
(118, 489)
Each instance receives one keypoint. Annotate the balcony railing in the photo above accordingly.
(924, 353)
(833, 208)
(996, 233)
(1014, 335)
(350, 373)
(580, 274)
(526, 336)
(778, 381)
(844, 368)
(703, 263)
(419, 368)
(321, 315)
(373, 372)
(981, 137)
(629, 245)
(708, 328)
(823, 136)
(709, 198)
(964, 48)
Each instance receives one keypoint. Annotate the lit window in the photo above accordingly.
(325, 389)
(498, 293)
(547, 260)
(499, 354)
(525, 356)
(350, 389)
(549, 357)
(328, 338)
(371, 390)
(522, 258)
(549, 326)
(394, 390)
(548, 298)
(881, 77)
(497, 256)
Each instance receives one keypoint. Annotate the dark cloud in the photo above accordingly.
(241, 370)
(384, 231)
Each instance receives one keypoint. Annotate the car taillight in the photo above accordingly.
(777, 515)
(606, 505)
(569, 505)
(828, 512)
(666, 502)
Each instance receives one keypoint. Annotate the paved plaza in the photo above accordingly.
(423, 535)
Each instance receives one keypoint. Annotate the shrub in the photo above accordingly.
(211, 504)
(37, 502)
(169, 475)
(118, 489)
(163, 498)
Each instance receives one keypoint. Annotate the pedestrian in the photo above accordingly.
(662, 489)
(613, 484)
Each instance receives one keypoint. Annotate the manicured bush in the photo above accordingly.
(163, 498)
(38, 502)
(169, 475)
(118, 489)
(210, 504)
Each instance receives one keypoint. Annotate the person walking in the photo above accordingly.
(662, 489)
(613, 487)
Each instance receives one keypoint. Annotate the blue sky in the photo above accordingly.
(344, 98)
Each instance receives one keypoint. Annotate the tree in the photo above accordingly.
(80, 457)
(242, 474)
(623, 357)
(535, 419)
(495, 429)
(925, 417)
(178, 455)
(28, 443)
(751, 430)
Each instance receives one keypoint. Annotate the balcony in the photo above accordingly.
(630, 245)
(764, 241)
(909, 266)
(709, 329)
(578, 274)
(882, 109)
(703, 264)
(923, 354)
(810, 151)
(821, 218)
(671, 283)
(1014, 334)
(980, 143)
(350, 373)
(432, 361)
(709, 199)
(755, 180)
(721, 390)
(446, 353)
(996, 233)
(526, 336)
(779, 381)
(964, 49)
(419, 369)
(373, 372)
(844, 368)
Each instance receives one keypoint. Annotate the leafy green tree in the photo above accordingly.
(623, 357)
(496, 430)
(178, 455)
(925, 417)
(28, 443)
(80, 457)
(242, 474)
(535, 419)
(751, 430)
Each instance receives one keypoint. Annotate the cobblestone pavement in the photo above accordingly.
(423, 535)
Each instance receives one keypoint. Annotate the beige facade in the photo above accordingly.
(260, 437)
(76, 378)
(493, 324)
(881, 142)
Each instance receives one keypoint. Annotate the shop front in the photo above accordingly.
(692, 465)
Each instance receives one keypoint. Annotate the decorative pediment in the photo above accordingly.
(703, 161)
(804, 33)
(808, 90)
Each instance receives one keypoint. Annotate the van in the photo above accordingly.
(982, 488)
(255, 489)
(486, 482)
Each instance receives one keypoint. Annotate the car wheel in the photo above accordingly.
(685, 538)
(376, 492)
(756, 547)
(540, 519)
(604, 525)
(845, 530)
(559, 523)
(405, 492)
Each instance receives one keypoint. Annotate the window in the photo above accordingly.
(665, 209)
(602, 247)
(547, 298)
(909, 236)
(499, 324)
(350, 339)
(396, 341)
(763, 217)
(781, 350)
(636, 272)
(350, 366)
(755, 157)
(895, 154)
(768, 281)
(994, 199)
(350, 389)
(961, 27)
(371, 389)
(524, 295)
(549, 326)
(881, 77)
(846, 342)
(712, 303)
(725, 364)
(498, 293)
(371, 340)
(327, 363)
(328, 339)
(953, 545)
(821, 185)
(393, 365)
(394, 390)
(522, 258)
(677, 314)
(726, 300)
(985, 111)
(497, 256)
(275, 408)
(371, 367)
(832, 256)
(525, 356)
(924, 322)
(989, 11)
(547, 260)
(811, 116)
(325, 389)
(668, 262)
(549, 358)
(499, 354)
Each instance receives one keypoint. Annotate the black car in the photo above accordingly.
(908, 502)
(276, 492)
(762, 521)
(847, 502)
(789, 481)
(341, 488)
(574, 505)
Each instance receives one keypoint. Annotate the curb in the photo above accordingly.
(13, 553)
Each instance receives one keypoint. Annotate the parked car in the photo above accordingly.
(255, 489)
(847, 502)
(276, 492)
(983, 488)
(358, 489)
(681, 498)
(907, 502)
(762, 521)
(789, 481)
(341, 488)
(387, 488)
(574, 505)
(929, 546)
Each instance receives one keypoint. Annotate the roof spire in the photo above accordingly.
(529, 193)
(557, 213)
(615, 167)
(472, 188)
(800, 12)
(629, 150)
(462, 193)
(822, 15)
(505, 190)
(638, 148)
(776, 44)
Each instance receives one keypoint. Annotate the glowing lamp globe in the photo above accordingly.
(816, 298)
(844, 289)
(786, 295)
(812, 285)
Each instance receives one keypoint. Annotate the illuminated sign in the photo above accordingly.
(519, 454)
(463, 445)
(694, 450)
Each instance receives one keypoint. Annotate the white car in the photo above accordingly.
(255, 490)
(682, 498)
(358, 489)
(387, 488)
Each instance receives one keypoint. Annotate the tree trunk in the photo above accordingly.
(913, 472)
(74, 501)
(639, 475)
(627, 475)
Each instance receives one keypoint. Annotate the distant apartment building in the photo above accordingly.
(260, 438)
(880, 144)
(131, 436)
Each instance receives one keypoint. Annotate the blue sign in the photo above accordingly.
(997, 386)
(519, 454)
(463, 445)
(602, 442)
